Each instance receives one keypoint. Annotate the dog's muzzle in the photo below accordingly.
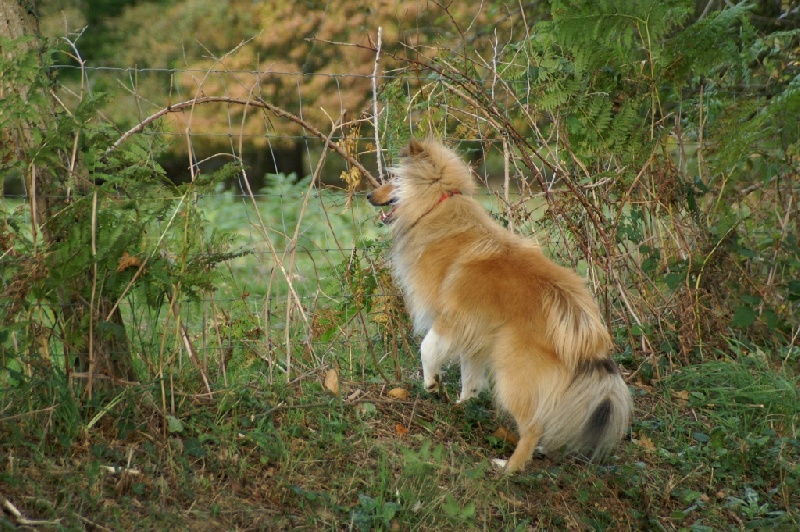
(387, 217)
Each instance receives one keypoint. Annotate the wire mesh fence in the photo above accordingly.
(305, 280)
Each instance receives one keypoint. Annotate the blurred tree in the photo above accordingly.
(313, 59)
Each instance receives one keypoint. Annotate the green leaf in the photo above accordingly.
(390, 510)
(751, 300)
(743, 317)
(366, 409)
(174, 424)
(468, 512)
(673, 280)
(450, 506)
(794, 290)
(193, 447)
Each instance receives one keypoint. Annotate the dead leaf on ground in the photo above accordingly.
(355, 395)
(682, 395)
(506, 435)
(401, 429)
(398, 393)
(646, 443)
(332, 381)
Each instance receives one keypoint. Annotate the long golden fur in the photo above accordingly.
(491, 298)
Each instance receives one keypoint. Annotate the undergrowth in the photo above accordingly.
(179, 356)
(713, 446)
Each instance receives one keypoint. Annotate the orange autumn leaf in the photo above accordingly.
(398, 393)
(646, 443)
(128, 261)
(682, 395)
(506, 435)
(332, 381)
(401, 429)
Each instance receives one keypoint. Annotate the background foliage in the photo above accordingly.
(223, 335)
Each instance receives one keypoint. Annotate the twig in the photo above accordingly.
(293, 255)
(284, 406)
(187, 342)
(118, 470)
(507, 183)
(17, 416)
(20, 519)
(246, 102)
(94, 294)
(94, 526)
(375, 104)
(95, 376)
(790, 350)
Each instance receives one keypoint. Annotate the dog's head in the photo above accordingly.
(428, 173)
(383, 196)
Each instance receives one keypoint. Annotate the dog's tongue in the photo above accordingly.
(386, 217)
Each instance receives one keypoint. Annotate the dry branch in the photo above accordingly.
(20, 519)
(178, 107)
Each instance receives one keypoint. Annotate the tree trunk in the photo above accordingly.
(46, 185)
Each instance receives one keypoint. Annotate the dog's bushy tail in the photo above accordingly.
(594, 413)
(574, 324)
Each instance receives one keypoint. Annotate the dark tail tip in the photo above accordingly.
(603, 365)
(597, 423)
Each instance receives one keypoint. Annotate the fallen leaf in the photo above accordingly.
(683, 395)
(332, 381)
(355, 395)
(506, 435)
(398, 393)
(401, 429)
(127, 261)
(646, 443)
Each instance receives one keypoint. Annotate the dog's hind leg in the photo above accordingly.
(528, 440)
(435, 351)
(473, 377)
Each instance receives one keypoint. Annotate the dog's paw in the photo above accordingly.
(432, 385)
(467, 395)
(499, 463)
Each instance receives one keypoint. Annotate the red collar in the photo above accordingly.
(448, 194)
(445, 195)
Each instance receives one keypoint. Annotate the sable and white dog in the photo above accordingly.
(478, 292)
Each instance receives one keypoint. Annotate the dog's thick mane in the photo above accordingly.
(431, 169)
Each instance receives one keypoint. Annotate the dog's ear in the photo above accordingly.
(414, 148)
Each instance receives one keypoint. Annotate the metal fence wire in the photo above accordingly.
(307, 285)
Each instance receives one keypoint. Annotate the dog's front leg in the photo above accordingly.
(435, 351)
(473, 377)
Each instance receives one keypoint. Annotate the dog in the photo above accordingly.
(513, 317)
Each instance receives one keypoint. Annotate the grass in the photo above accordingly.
(713, 446)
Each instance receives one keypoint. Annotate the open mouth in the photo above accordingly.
(387, 217)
